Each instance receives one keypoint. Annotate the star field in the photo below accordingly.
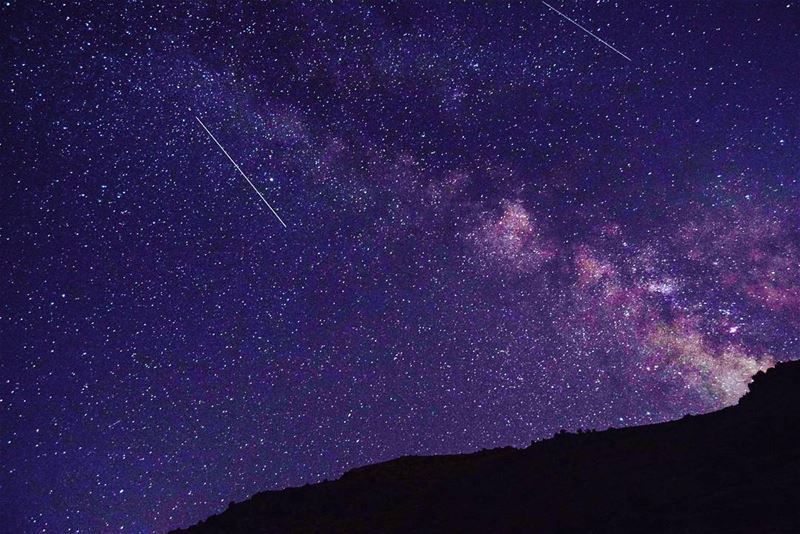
(496, 228)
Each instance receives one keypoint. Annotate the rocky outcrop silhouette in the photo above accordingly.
(734, 470)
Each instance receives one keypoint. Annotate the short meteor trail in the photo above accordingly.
(240, 171)
(587, 31)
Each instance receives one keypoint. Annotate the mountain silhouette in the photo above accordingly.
(734, 470)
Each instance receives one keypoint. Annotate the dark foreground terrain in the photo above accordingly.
(735, 470)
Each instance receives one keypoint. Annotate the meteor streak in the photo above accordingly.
(587, 31)
(241, 172)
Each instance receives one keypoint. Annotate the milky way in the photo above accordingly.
(497, 228)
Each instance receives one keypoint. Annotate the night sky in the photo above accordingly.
(497, 227)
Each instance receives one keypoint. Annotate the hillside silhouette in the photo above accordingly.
(734, 470)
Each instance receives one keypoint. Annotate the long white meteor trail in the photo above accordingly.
(241, 172)
(587, 31)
